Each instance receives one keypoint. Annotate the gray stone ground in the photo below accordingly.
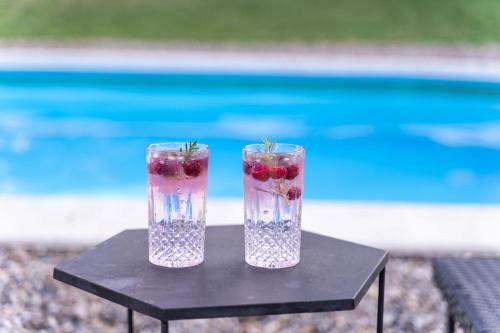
(31, 301)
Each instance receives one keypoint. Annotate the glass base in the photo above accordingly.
(176, 244)
(271, 265)
(175, 264)
(272, 245)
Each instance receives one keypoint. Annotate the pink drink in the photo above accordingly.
(273, 184)
(177, 188)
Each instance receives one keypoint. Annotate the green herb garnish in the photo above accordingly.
(268, 146)
(189, 149)
(268, 153)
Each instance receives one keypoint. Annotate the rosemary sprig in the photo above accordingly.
(269, 147)
(280, 189)
(189, 148)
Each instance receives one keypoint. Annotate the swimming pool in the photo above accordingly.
(366, 138)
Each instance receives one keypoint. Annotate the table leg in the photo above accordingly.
(164, 327)
(380, 309)
(130, 319)
(451, 323)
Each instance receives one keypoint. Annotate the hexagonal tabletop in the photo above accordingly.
(332, 275)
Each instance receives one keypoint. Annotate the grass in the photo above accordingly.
(253, 20)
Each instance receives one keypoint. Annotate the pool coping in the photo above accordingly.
(403, 227)
(354, 61)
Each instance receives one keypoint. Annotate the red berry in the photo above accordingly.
(292, 171)
(169, 168)
(164, 168)
(154, 166)
(247, 167)
(192, 168)
(260, 172)
(277, 171)
(293, 193)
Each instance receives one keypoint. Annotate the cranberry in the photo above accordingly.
(277, 171)
(260, 172)
(292, 171)
(293, 193)
(192, 168)
(247, 167)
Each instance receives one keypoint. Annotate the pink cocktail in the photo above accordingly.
(177, 190)
(273, 176)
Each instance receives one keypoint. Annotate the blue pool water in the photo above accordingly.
(366, 138)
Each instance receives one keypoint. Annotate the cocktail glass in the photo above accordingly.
(273, 183)
(177, 190)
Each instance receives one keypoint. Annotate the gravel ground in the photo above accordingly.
(31, 301)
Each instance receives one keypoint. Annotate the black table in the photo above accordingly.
(332, 275)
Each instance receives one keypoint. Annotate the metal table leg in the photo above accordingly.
(164, 327)
(380, 309)
(451, 323)
(130, 319)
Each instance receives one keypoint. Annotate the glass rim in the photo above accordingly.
(256, 148)
(173, 146)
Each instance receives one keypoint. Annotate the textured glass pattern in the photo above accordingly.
(273, 185)
(177, 184)
(176, 244)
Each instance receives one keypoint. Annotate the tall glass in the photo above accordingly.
(177, 190)
(273, 183)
